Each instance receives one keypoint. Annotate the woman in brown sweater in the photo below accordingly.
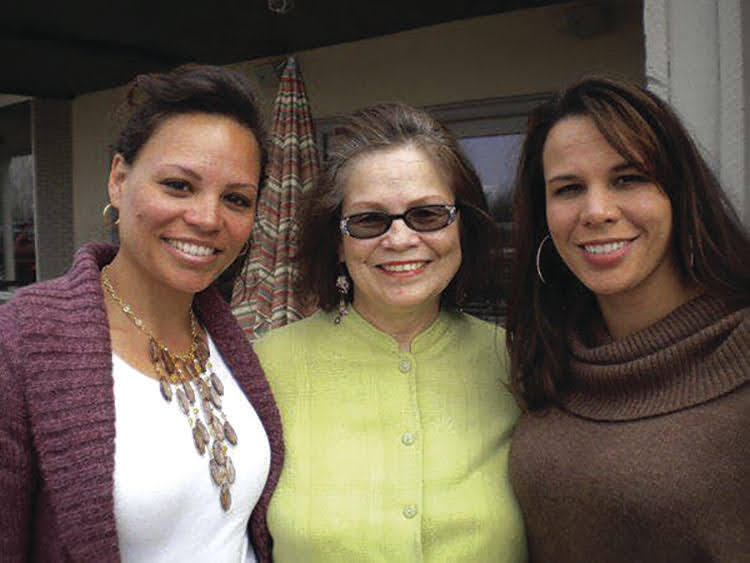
(629, 335)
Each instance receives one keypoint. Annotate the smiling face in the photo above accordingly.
(187, 202)
(401, 272)
(609, 222)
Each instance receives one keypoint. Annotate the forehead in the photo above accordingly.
(576, 136)
(199, 134)
(394, 175)
(578, 141)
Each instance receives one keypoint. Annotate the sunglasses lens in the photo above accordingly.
(423, 218)
(428, 217)
(368, 225)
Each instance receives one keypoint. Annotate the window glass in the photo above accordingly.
(495, 159)
(18, 249)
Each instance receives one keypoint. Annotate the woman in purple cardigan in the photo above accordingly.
(136, 422)
(629, 336)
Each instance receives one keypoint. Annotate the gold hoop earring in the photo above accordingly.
(107, 213)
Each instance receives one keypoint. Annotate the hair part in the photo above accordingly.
(152, 99)
(385, 127)
(709, 241)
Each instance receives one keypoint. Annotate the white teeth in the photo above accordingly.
(604, 248)
(407, 267)
(192, 249)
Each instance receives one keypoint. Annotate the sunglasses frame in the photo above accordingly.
(452, 214)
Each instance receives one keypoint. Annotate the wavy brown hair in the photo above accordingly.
(383, 127)
(710, 245)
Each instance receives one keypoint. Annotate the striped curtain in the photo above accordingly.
(264, 297)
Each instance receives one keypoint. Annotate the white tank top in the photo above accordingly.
(166, 505)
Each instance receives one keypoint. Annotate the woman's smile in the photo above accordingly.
(606, 253)
(192, 250)
(404, 268)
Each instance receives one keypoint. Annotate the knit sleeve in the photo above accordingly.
(15, 457)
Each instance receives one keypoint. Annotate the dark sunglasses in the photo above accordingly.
(423, 218)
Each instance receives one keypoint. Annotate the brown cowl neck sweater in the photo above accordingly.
(647, 459)
(57, 416)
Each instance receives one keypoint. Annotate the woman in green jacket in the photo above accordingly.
(394, 405)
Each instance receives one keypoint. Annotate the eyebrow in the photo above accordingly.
(569, 177)
(419, 202)
(186, 171)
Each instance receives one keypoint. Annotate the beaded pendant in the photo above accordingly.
(198, 391)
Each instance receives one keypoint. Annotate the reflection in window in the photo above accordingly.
(495, 159)
(18, 249)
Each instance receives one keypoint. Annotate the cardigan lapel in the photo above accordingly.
(67, 358)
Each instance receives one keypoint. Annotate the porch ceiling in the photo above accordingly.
(62, 49)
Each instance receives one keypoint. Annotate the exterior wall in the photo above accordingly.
(94, 130)
(745, 19)
(51, 141)
(521, 52)
(696, 56)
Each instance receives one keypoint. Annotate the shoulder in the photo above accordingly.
(292, 349)
(473, 329)
(480, 341)
(80, 281)
(71, 295)
(305, 332)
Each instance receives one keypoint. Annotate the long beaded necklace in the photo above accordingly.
(190, 377)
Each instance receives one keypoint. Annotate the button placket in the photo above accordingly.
(411, 455)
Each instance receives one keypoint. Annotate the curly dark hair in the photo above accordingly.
(382, 127)
(151, 99)
(710, 245)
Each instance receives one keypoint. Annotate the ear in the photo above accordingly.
(341, 252)
(118, 173)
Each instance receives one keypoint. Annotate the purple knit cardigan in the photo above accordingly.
(57, 416)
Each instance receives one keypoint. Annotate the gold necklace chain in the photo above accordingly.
(140, 325)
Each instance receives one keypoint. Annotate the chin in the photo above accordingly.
(191, 284)
(606, 290)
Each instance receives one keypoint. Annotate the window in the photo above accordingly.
(491, 133)
(17, 234)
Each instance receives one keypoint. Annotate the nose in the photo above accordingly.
(203, 213)
(599, 206)
(399, 236)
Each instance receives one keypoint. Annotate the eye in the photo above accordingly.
(428, 216)
(567, 189)
(631, 179)
(177, 185)
(240, 201)
(368, 219)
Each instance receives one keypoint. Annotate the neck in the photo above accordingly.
(402, 325)
(164, 311)
(627, 314)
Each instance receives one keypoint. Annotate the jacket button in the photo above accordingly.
(410, 511)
